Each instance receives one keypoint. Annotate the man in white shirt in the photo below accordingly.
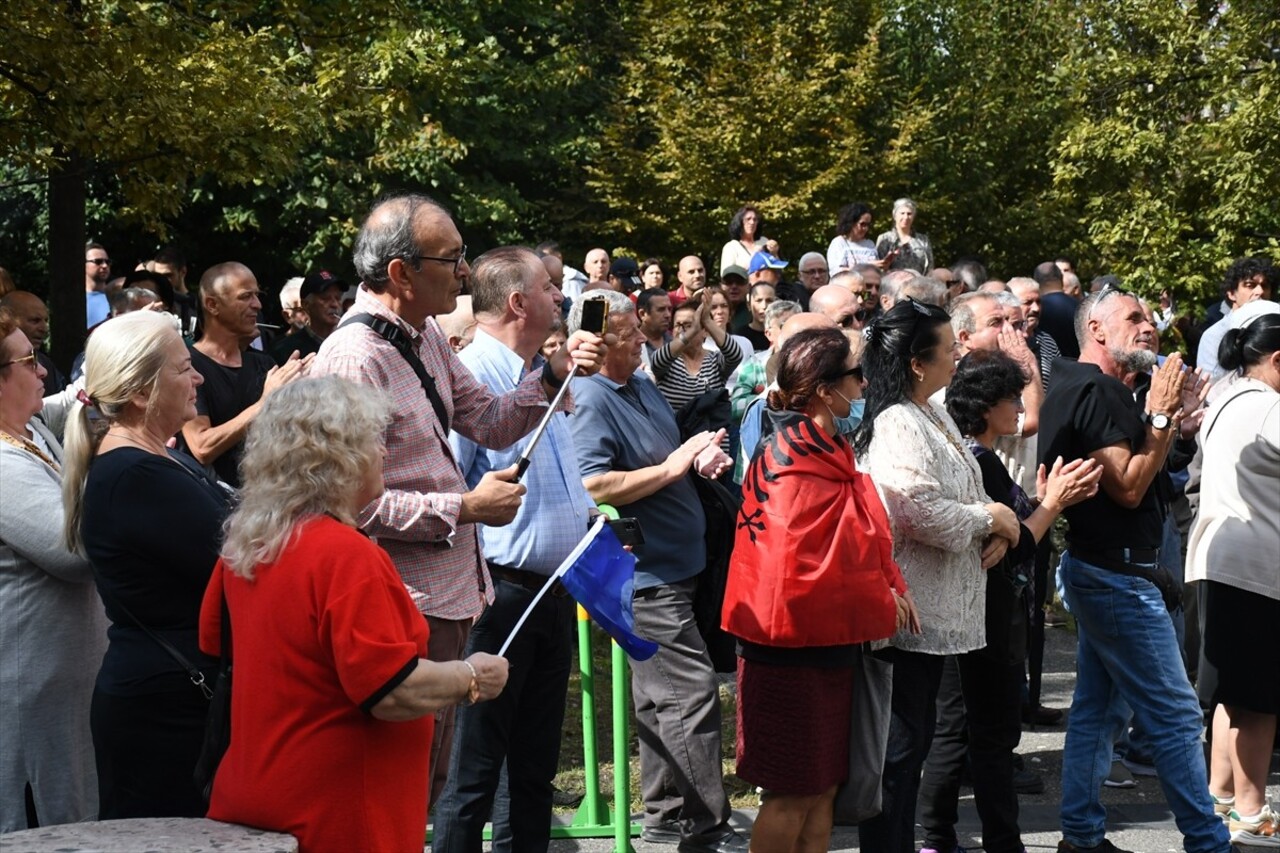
(1246, 279)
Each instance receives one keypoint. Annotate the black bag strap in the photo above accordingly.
(193, 672)
(1228, 402)
(395, 336)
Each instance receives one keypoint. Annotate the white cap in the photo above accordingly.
(1250, 311)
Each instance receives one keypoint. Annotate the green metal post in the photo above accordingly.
(590, 814)
(621, 760)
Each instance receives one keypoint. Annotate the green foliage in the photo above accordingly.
(1173, 143)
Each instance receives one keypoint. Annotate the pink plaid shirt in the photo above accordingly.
(416, 519)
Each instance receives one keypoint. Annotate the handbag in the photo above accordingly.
(217, 724)
(859, 798)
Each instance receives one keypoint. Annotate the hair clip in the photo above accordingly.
(85, 399)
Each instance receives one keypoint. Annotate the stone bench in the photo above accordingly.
(141, 835)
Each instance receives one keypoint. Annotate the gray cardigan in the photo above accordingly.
(53, 633)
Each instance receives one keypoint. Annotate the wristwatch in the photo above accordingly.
(1158, 420)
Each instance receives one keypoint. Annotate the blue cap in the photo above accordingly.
(765, 261)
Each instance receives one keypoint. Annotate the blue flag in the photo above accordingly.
(601, 576)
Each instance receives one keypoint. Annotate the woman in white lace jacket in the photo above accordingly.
(946, 532)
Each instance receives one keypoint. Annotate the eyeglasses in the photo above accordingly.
(818, 271)
(680, 327)
(457, 262)
(29, 360)
(846, 322)
(98, 262)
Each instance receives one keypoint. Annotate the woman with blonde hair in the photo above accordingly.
(309, 596)
(149, 521)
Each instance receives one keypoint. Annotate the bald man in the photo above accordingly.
(692, 275)
(236, 378)
(33, 319)
(836, 303)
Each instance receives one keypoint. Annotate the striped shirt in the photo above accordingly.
(416, 518)
(674, 381)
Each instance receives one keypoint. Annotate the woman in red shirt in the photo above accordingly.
(331, 710)
(812, 576)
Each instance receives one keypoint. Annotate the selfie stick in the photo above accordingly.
(522, 464)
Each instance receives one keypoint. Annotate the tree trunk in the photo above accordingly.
(66, 260)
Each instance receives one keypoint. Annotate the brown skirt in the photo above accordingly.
(793, 726)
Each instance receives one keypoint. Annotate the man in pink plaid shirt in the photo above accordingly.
(412, 264)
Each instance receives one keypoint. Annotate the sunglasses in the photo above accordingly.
(855, 372)
(29, 360)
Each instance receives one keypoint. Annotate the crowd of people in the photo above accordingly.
(350, 504)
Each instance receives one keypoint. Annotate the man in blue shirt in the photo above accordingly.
(516, 306)
(630, 455)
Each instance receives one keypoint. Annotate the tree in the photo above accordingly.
(153, 94)
(726, 102)
(1174, 148)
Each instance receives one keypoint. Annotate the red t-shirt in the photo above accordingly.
(318, 637)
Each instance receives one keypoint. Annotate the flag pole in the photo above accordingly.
(522, 464)
(560, 570)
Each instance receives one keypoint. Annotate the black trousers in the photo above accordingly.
(520, 727)
(146, 747)
(911, 726)
(1035, 630)
(978, 716)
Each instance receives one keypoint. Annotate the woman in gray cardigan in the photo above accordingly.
(52, 626)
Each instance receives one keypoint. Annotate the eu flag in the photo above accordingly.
(600, 575)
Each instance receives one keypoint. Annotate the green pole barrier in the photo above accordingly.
(623, 830)
(590, 812)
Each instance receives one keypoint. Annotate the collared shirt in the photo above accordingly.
(416, 518)
(626, 427)
(553, 517)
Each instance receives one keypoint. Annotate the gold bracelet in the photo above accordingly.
(473, 689)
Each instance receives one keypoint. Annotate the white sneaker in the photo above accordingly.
(1261, 830)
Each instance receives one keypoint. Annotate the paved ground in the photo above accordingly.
(1138, 818)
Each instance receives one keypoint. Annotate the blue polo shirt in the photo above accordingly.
(626, 427)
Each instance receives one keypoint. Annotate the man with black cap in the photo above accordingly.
(321, 296)
(624, 276)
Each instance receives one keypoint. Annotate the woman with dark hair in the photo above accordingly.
(1232, 554)
(984, 399)
(946, 531)
(811, 577)
(746, 232)
(683, 369)
(851, 245)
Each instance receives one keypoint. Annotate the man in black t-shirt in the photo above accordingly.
(236, 379)
(1127, 649)
(1057, 309)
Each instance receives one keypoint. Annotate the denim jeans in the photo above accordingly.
(1127, 652)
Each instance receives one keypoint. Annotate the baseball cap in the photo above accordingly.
(319, 282)
(1250, 311)
(733, 269)
(627, 272)
(764, 261)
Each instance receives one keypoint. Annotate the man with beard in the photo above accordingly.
(1127, 650)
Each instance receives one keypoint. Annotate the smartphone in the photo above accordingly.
(628, 531)
(595, 316)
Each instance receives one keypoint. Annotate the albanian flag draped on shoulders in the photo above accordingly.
(813, 559)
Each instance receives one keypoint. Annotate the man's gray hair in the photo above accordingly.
(847, 278)
(1084, 313)
(1022, 282)
(923, 288)
(499, 273)
(891, 284)
(779, 310)
(1007, 299)
(961, 310)
(388, 233)
(808, 256)
(619, 304)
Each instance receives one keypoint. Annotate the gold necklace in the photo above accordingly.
(927, 408)
(29, 446)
